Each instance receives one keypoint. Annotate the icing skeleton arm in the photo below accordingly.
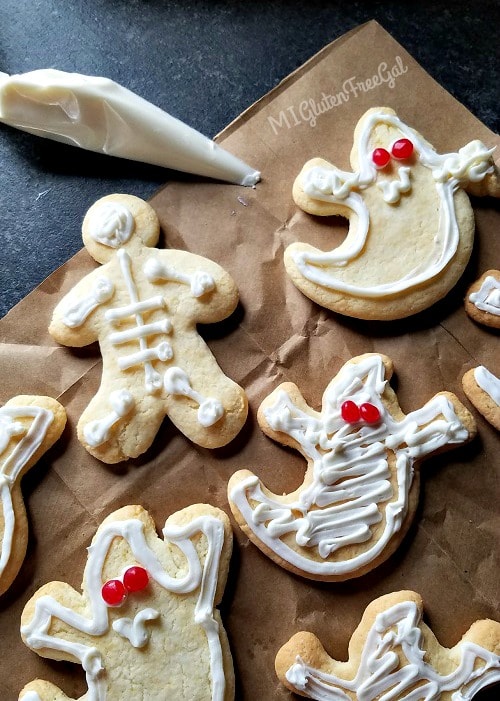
(361, 471)
(388, 659)
(61, 624)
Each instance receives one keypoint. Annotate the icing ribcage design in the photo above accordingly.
(395, 636)
(146, 355)
(346, 189)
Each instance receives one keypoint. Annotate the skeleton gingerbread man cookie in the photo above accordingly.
(361, 487)
(393, 655)
(411, 223)
(29, 426)
(142, 305)
(145, 625)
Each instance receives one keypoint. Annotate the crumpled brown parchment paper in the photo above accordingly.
(450, 555)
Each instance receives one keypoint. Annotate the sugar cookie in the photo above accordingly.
(394, 655)
(29, 426)
(482, 302)
(361, 487)
(411, 223)
(145, 625)
(142, 305)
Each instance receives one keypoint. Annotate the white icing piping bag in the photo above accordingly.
(100, 115)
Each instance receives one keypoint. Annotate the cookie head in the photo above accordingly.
(119, 222)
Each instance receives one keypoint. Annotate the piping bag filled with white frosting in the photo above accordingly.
(100, 115)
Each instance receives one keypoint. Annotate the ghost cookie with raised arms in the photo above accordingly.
(29, 426)
(411, 225)
(142, 305)
(394, 655)
(361, 487)
(144, 626)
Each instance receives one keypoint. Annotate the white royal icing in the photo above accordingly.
(210, 410)
(350, 475)
(488, 383)
(381, 675)
(487, 298)
(30, 696)
(392, 189)
(134, 629)
(12, 465)
(199, 282)
(98, 624)
(136, 309)
(98, 431)
(470, 164)
(111, 223)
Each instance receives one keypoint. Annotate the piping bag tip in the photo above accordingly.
(99, 115)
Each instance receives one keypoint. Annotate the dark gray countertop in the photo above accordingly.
(203, 62)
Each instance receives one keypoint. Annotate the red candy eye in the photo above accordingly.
(369, 413)
(350, 412)
(135, 579)
(113, 592)
(402, 149)
(380, 157)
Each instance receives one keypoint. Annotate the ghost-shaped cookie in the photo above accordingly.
(142, 305)
(145, 624)
(361, 487)
(411, 225)
(394, 655)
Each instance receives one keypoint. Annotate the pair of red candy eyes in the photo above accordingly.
(352, 413)
(116, 591)
(401, 150)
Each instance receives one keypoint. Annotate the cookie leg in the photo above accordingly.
(120, 424)
(210, 409)
(43, 691)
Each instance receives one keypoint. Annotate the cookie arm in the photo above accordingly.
(75, 320)
(488, 186)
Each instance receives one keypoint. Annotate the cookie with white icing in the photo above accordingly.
(361, 487)
(145, 625)
(142, 305)
(482, 302)
(393, 655)
(482, 388)
(411, 225)
(29, 426)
